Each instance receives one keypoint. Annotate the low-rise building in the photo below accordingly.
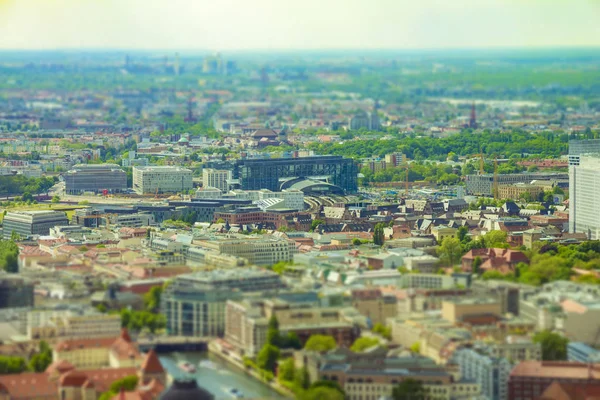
(374, 374)
(375, 305)
(95, 178)
(90, 353)
(50, 324)
(247, 321)
(194, 304)
(529, 379)
(30, 223)
(519, 191)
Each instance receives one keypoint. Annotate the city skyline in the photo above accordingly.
(270, 25)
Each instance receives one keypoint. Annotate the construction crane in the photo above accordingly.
(495, 184)
(481, 164)
(406, 168)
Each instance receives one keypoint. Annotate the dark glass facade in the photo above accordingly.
(269, 173)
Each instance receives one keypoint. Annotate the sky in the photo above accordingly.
(218, 25)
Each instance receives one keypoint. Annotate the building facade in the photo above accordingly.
(483, 184)
(157, 180)
(95, 178)
(491, 373)
(194, 304)
(584, 196)
(216, 178)
(29, 223)
(256, 174)
(529, 379)
(15, 292)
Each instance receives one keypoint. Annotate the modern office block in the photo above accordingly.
(95, 178)
(148, 180)
(317, 174)
(29, 223)
(584, 196)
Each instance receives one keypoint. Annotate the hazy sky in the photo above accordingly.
(293, 24)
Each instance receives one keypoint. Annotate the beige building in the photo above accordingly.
(442, 232)
(47, 324)
(455, 310)
(247, 322)
(367, 376)
(258, 251)
(516, 350)
(99, 352)
(517, 191)
(216, 178)
(375, 305)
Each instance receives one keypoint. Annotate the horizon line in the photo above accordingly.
(279, 50)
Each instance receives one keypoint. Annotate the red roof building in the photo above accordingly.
(502, 260)
(530, 379)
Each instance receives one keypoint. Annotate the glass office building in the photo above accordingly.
(274, 173)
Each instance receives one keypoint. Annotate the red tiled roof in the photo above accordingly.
(74, 344)
(152, 364)
(104, 377)
(571, 391)
(73, 379)
(29, 385)
(60, 366)
(556, 369)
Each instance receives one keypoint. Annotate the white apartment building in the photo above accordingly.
(159, 179)
(584, 196)
(216, 178)
(292, 199)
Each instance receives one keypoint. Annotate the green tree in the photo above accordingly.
(273, 335)
(292, 341)
(301, 378)
(554, 346)
(12, 365)
(495, 239)
(363, 343)
(462, 233)
(9, 253)
(55, 199)
(320, 343)
(477, 261)
(378, 235)
(286, 370)
(41, 360)
(450, 252)
(409, 389)
(152, 298)
(267, 357)
(316, 222)
(383, 330)
(27, 197)
(327, 384)
(322, 393)
(128, 383)
(415, 347)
